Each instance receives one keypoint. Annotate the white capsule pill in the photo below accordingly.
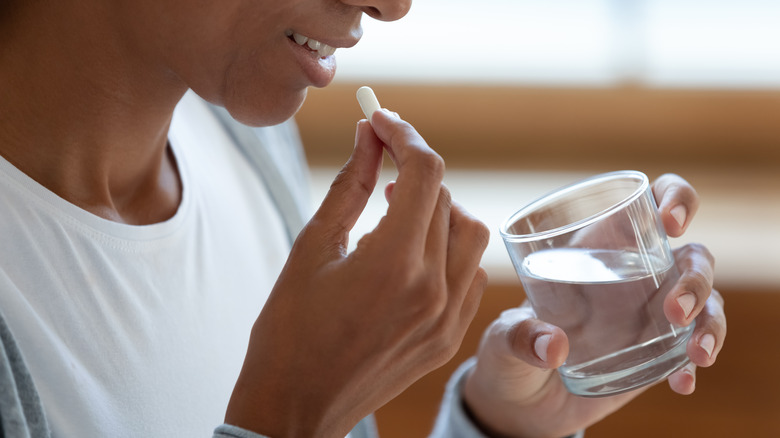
(367, 100)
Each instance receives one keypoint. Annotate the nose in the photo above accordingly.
(384, 10)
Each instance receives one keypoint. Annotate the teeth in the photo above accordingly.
(322, 49)
(300, 39)
(327, 50)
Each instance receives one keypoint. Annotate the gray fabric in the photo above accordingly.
(21, 413)
(364, 429)
(453, 422)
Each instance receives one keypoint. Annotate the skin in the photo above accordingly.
(94, 88)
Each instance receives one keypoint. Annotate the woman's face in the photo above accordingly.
(255, 57)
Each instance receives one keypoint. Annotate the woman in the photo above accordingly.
(142, 235)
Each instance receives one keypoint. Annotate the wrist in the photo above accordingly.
(478, 409)
(494, 408)
(248, 410)
(269, 407)
(488, 432)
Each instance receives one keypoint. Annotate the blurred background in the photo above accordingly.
(523, 96)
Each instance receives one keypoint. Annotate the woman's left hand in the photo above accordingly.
(514, 389)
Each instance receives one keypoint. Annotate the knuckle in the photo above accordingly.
(481, 279)
(692, 250)
(717, 296)
(428, 299)
(670, 178)
(402, 273)
(448, 351)
(413, 151)
(663, 182)
(432, 163)
(698, 248)
(481, 233)
(440, 355)
(317, 231)
(432, 303)
(445, 195)
(518, 336)
(344, 182)
(471, 227)
(445, 199)
(705, 252)
(342, 177)
(672, 185)
(697, 281)
(365, 242)
(445, 345)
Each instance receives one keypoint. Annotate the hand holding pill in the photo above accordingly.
(397, 306)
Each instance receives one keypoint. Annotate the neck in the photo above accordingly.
(85, 115)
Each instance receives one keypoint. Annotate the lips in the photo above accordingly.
(323, 50)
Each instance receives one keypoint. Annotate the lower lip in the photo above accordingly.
(319, 71)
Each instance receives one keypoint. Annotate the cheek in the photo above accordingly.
(249, 71)
(256, 91)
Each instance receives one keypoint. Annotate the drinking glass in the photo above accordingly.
(594, 260)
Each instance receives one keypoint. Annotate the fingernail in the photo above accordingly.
(690, 370)
(679, 214)
(540, 346)
(707, 343)
(687, 303)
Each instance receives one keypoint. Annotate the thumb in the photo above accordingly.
(349, 192)
(535, 342)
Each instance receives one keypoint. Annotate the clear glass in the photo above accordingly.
(594, 260)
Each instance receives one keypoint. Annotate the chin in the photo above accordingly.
(265, 110)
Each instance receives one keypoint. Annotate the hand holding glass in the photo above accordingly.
(594, 260)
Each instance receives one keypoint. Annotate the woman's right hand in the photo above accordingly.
(342, 334)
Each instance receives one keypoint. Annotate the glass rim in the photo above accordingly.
(576, 225)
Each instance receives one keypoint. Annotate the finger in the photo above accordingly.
(473, 297)
(458, 314)
(535, 342)
(389, 190)
(677, 203)
(710, 333)
(689, 295)
(468, 239)
(683, 381)
(420, 173)
(436, 245)
(349, 192)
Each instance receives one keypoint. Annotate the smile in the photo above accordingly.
(322, 49)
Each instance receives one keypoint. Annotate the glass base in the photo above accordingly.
(589, 380)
